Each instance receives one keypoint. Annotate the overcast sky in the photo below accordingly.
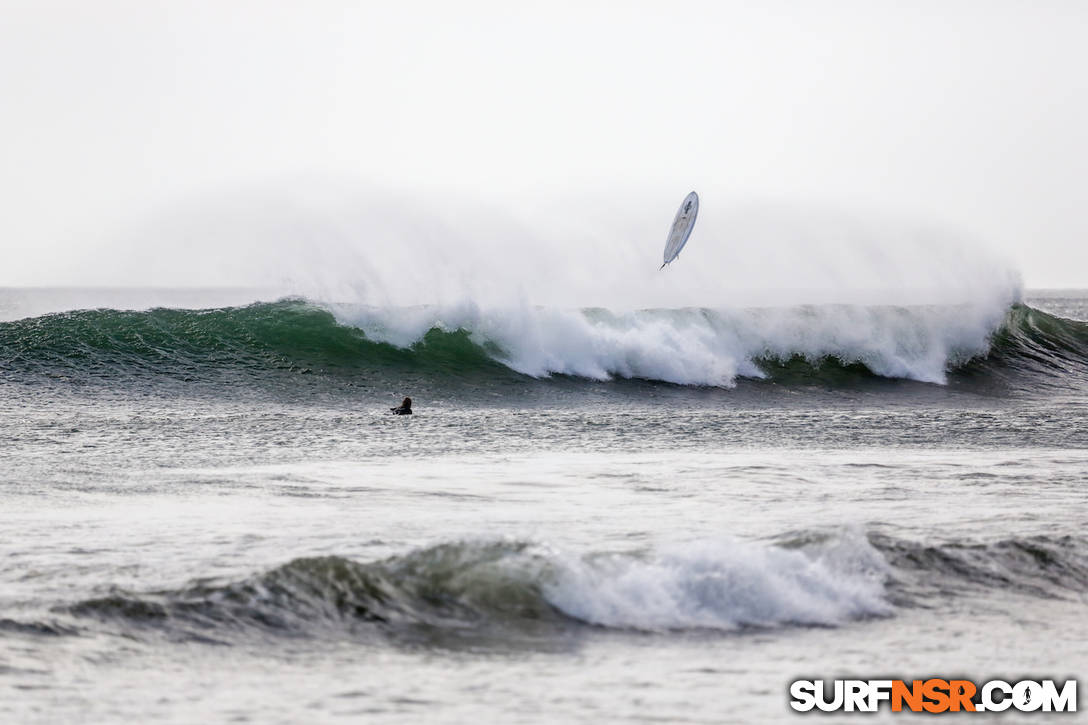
(965, 115)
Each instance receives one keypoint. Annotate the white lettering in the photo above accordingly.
(1027, 696)
(836, 702)
(989, 703)
(856, 695)
(879, 690)
(803, 693)
(1065, 701)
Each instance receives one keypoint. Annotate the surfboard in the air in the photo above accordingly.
(681, 227)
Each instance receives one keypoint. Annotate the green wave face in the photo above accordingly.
(274, 343)
(256, 341)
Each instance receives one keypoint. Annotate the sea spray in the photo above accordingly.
(690, 346)
(702, 346)
(723, 584)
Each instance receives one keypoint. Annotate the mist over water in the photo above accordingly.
(811, 438)
(338, 243)
(572, 286)
(834, 438)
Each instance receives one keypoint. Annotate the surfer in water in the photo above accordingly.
(404, 409)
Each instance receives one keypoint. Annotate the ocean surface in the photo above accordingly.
(210, 515)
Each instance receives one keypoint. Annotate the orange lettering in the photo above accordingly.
(936, 691)
(912, 695)
(961, 692)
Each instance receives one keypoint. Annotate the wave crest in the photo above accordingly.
(505, 589)
(723, 585)
(811, 344)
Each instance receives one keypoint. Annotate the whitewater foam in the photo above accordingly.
(809, 345)
(694, 346)
(723, 584)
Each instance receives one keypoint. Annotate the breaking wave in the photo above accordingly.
(722, 585)
(827, 345)
(824, 579)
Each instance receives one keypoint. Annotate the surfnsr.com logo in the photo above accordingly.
(933, 695)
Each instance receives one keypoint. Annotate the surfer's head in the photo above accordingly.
(407, 403)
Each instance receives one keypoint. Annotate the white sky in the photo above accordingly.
(965, 115)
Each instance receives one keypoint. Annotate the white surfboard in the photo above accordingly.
(681, 227)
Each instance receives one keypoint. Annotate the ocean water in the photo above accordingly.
(210, 515)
